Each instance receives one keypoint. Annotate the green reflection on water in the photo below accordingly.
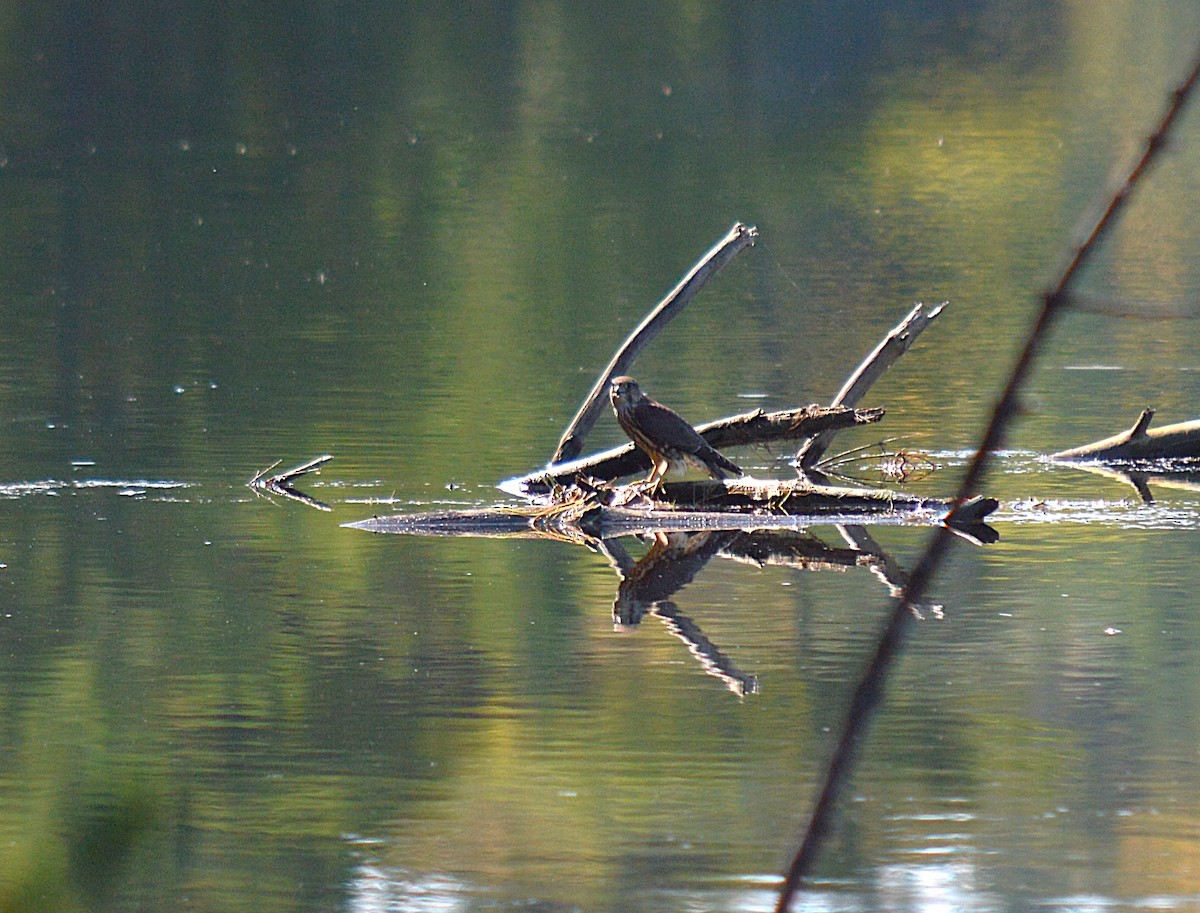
(410, 236)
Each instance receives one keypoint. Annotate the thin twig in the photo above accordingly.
(870, 688)
(739, 237)
(281, 483)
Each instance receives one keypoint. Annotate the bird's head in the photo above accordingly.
(624, 391)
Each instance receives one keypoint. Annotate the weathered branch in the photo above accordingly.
(873, 367)
(1170, 442)
(739, 237)
(797, 496)
(755, 427)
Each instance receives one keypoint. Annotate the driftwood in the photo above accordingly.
(282, 483)
(577, 499)
(794, 496)
(577, 486)
(1170, 442)
(756, 427)
(873, 367)
(738, 238)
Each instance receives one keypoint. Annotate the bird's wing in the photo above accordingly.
(668, 428)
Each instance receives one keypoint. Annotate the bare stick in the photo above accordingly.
(870, 687)
(873, 367)
(739, 237)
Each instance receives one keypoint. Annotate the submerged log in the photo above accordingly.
(745, 504)
(1170, 442)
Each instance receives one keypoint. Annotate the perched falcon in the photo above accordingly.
(667, 439)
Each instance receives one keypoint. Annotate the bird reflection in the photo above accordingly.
(675, 558)
(670, 564)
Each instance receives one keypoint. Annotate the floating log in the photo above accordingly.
(755, 427)
(1170, 442)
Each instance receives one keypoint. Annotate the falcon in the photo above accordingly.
(664, 435)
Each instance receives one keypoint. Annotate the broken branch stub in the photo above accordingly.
(874, 366)
(738, 238)
(1170, 442)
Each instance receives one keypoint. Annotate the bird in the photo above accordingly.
(664, 435)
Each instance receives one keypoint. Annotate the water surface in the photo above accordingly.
(411, 238)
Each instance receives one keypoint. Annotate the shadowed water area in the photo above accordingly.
(410, 236)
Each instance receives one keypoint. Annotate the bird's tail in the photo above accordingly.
(717, 464)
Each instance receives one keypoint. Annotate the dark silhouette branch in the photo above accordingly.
(869, 691)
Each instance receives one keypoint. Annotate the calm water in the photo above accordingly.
(411, 237)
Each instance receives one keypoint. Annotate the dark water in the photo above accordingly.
(410, 236)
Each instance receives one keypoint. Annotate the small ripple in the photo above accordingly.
(125, 487)
(1122, 514)
(1088, 902)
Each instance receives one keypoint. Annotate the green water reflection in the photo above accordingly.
(410, 235)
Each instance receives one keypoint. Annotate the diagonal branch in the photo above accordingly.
(870, 687)
(739, 237)
(874, 366)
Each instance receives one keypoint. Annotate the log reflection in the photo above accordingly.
(674, 559)
(1180, 475)
(678, 551)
